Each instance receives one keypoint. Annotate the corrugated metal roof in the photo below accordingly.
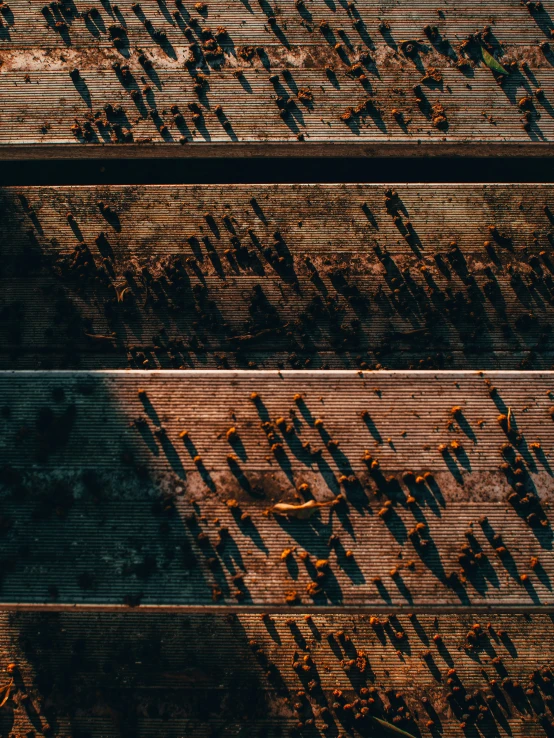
(161, 486)
(150, 675)
(341, 55)
(278, 275)
(140, 511)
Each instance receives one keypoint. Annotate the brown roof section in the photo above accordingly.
(237, 78)
(158, 488)
(304, 276)
(113, 675)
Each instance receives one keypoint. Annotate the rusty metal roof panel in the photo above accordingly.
(509, 24)
(159, 488)
(308, 276)
(362, 78)
(199, 674)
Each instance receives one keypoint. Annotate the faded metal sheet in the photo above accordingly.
(323, 60)
(158, 488)
(304, 276)
(148, 675)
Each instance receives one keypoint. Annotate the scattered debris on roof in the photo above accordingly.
(301, 276)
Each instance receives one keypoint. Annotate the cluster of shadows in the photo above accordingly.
(365, 494)
(42, 515)
(108, 492)
(210, 50)
(221, 676)
(297, 310)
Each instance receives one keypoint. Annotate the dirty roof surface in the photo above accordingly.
(143, 674)
(244, 76)
(159, 488)
(304, 276)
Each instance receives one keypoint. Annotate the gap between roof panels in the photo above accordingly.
(275, 170)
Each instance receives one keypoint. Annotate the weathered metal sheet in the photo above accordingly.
(356, 78)
(433, 276)
(141, 674)
(158, 488)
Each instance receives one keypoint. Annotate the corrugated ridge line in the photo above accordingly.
(87, 358)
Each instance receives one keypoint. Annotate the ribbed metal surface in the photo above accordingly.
(39, 101)
(155, 490)
(345, 277)
(105, 499)
(141, 674)
(510, 22)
